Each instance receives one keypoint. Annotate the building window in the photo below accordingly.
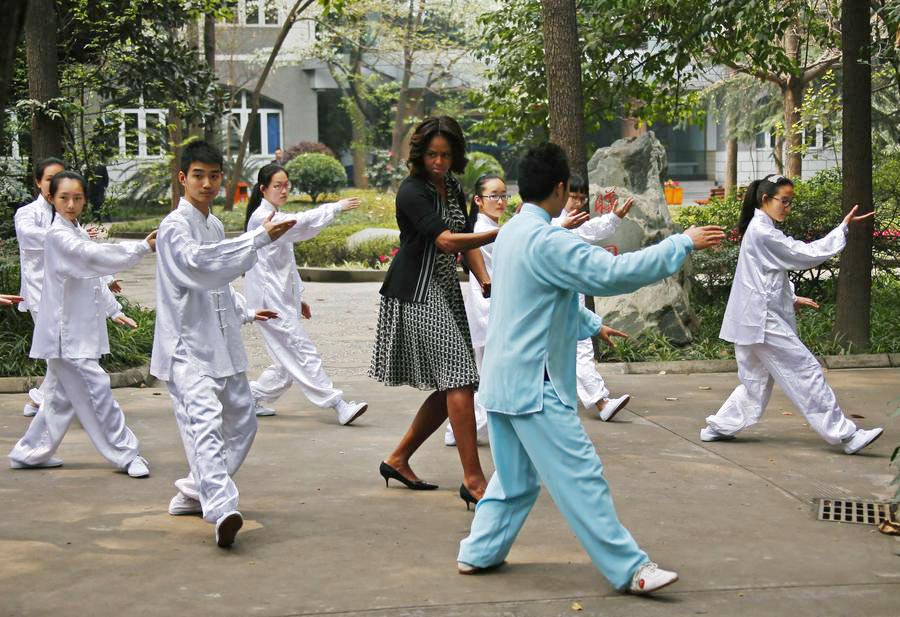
(265, 131)
(255, 12)
(142, 133)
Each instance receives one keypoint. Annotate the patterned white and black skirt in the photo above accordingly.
(426, 345)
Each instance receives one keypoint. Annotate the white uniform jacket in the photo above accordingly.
(273, 282)
(198, 314)
(594, 230)
(477, 306)
(32, 224)
(76, 302)
(761, 287)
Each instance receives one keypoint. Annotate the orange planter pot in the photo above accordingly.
(674, 195)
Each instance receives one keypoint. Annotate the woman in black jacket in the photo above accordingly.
(423, 335)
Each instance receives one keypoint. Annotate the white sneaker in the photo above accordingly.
(481, 435)
(51, 462)
(860, 439)
(227, 527)
(348, 412)
(449, 437)
(708, 434)
(36, 396)
(261, 410)
(30, 410)
(614, 406)
(139, 467)
(182, 505)
(650, 577)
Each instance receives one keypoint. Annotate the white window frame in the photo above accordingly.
(241, 6)
(142, 114)
(243, 113)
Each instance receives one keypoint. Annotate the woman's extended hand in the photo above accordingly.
(852, 218)
(808, 302)
(606, 334)
(265, 315)
(351, 203)
(575, 219)
(305, 311)
(125, 320)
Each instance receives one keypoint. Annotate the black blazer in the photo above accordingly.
(420, 219)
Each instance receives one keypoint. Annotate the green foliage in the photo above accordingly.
(329, 248)
(381, 172)
(480, 163)
(316, 174)
(305, 147)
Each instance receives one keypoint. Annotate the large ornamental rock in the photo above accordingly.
(371, 233)
(635, 166)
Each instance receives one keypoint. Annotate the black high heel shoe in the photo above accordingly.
(466, 496)
(387, 472)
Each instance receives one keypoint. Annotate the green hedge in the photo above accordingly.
(329, 248)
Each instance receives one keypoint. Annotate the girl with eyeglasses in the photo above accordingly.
(489, 201)
(760, 321)
(274, 282)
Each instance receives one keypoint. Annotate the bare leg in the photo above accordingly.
(429, 418)
(461, 410)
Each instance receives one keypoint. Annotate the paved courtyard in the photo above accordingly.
(323, 536)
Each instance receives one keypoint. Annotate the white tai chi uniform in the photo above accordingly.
(590, 385)
(274, 283)
(759, 320)
(198, 352)
(70, 334)
(477, 309)
(32, 224)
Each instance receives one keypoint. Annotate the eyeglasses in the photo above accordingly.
(500, 197)
(785, 202)
(282, 187)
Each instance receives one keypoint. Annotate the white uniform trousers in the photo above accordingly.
(77, 387)
(550, 446)
(783, 359)
(295, 359)
(217, 422)
(37, 394)
(481, 421)
(591, 387)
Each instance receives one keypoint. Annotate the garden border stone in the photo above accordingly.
(129, 378)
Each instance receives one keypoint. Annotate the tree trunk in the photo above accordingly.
(778, 154)
(43, 77)
(793, 152)
(175, 138)
(210, 130)
(562, 60)
(359, 146)
(296, 10)
(854, 293)
(731, 159)
(413, 21)
(10, 33)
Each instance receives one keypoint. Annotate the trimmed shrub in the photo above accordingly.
(381, 172)
(306, 147)
(316, 174)
(479, 163)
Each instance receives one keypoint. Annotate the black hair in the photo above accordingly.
(479, 186)
(753, 197)
(577, 184)
(199, 151)
(43, 164)
(71, 175)
(265, 175)
(541, 170)
(428, 129)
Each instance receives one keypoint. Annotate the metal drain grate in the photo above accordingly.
(847, 511)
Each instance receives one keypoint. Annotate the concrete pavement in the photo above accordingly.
(323, 535)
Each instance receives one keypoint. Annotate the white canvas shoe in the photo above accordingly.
(449, 437)
(614, 406)
(227, 527)
(860, 439)
(650, 577)
(261, 410)
(30, 410)
(182, 505)
(482, 436)
(36, 396)
(139, 467)
(52, 462)
(348, 412)
(707, 434)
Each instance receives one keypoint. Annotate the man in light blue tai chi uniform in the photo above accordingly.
(528, 378)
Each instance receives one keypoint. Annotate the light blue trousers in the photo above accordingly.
(549, 446)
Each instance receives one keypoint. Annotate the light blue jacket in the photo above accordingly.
(536, 319)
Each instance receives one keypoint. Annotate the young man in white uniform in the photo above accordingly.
(591, 388)
(197, 346)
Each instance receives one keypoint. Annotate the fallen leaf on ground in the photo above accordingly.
(787, 413)
(704, 388)
(671, 398)
(662, 373)
(856, 415)
(576, 606)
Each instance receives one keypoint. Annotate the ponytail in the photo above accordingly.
(753, 197)
(263, 178)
